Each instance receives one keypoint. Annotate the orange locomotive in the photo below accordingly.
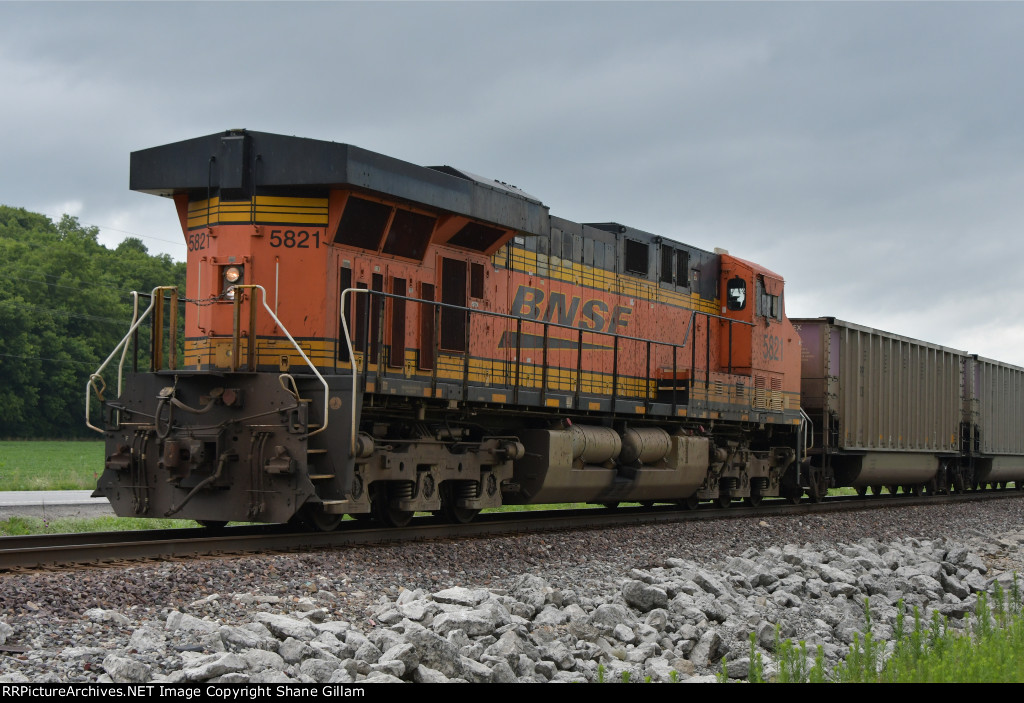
(365, 336)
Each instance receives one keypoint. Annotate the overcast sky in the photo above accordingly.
(870, 153)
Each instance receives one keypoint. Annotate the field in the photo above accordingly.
(50, 466)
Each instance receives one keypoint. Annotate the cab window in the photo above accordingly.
(736, 294)
(768, 305)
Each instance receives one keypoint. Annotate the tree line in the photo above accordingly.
(65, 303)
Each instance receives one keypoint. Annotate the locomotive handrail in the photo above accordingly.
(122, 343)
(352, 356)
(437, 305)
(295, 344)
(505, 316)
(124, 350)
(808, 436)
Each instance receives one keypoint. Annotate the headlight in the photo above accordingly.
(230, 277)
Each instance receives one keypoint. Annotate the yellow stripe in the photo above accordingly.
(537, 264)
(485, 372)
(268, 209)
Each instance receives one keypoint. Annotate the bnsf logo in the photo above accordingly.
(592, 315)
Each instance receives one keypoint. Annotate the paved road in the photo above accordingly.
(52, 504)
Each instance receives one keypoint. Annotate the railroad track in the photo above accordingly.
(36, 551)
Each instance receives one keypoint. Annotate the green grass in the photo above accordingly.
(50, 466)
(545, 506)
(16, 526)
(990, 649)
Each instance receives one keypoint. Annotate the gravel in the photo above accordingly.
(71, 621)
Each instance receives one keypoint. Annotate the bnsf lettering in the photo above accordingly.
(557, 311)
(592, 314)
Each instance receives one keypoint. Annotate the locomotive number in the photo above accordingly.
(772, 348)
(290, 239)
(198, 241)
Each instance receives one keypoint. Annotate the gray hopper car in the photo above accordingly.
(890, 411)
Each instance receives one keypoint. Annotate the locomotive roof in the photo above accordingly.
(243, 161)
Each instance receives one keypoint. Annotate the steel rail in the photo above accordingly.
(96, 548)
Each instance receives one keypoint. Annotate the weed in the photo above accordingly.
(756, 662)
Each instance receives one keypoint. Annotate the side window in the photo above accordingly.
(768, 305)
(736, 294)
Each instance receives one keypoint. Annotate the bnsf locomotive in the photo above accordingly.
(367, 337)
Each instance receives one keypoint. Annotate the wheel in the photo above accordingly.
(957, 484)
(313, 519)
(893, 490)
(212, 525)
(724, 500)
(876, 490)
(317, 519)
(790, 488)
(453, 513)
(384, 512)
(690, 503)
(459, 516)
(818, 488)
(862, 491)
(754, 499)
(917, 489)
(611, 506)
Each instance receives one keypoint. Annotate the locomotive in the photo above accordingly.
(368, 337)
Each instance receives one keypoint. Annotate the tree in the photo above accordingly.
(64, 305)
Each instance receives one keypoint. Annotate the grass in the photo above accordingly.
(50, 465)
(545, 506)
(17, 526)
(990, 649)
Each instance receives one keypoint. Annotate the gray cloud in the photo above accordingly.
(870, 153)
